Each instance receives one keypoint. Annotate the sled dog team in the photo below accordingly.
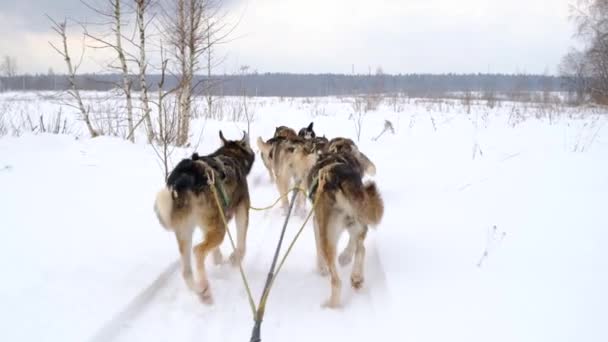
(331, 171)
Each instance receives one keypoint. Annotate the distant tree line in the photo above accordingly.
(298, 85)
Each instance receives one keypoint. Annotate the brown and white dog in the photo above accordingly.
(343, 201)
(280, 133)
(187, 202)
(288, 158)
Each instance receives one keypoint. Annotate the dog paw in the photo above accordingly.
(345, 258)
(331, 303)
(206, 296)
(356, 281)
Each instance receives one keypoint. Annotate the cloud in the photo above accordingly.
(332, 36)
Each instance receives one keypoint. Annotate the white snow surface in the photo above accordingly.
(83, 257)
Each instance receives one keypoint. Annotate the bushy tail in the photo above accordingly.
(368, 203)
(163, 207)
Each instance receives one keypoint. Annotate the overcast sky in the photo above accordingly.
(401, 36)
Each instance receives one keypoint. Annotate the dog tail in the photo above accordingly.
(371, 209)
(182, 181)
(163, 207)
(365, 200)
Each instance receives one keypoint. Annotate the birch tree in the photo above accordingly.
(60, 29)
(113, 13)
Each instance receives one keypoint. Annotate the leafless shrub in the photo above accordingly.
(244, 98)
(372, 102)
(358, 104)
(517, 115)
(466, 100)
(493, 239)
(490, 97)
(214, 109)
(5, 108)
(316, 109)
(588, 134)
(55, 125)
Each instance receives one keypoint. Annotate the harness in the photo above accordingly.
(313, 187)
(219, 186)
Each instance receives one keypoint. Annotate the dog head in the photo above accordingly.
(304, 157)
(307, 132)
(345, 145)
(240, 149)
(342, 145)
(284, 132)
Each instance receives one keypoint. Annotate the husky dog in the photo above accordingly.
(307, 132)
(280, 133)
(187, 201)
(347, 146)
(292, 159)
(343, 201)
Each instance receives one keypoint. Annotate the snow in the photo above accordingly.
(84, 258)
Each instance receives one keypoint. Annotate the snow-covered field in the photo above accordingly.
(84, 258)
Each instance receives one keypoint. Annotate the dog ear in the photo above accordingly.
(310, 126)
(195, 156)
(245, 138)
(222, 137)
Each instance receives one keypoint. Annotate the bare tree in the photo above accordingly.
(192, 27)
(60, 29)
(573, 69)
(359, 106)
(8, 68)
(248, 115)
(141, 10)
(167, 119)
(113, 12)
(187, 34)
(591, 20)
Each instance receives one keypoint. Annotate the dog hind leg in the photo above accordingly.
(321, 265)
(356, 277)
(214, 235)
(347, 254)
(242, 223)
(328, 234)
(184, 243)
(283, 186)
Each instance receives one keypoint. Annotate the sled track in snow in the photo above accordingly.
(165, 297)
(113, 328)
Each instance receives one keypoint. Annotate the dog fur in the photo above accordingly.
(187, 202)
(307, 132)
(292, 158)
(280, 133)
(289, 159)
(343, 201)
